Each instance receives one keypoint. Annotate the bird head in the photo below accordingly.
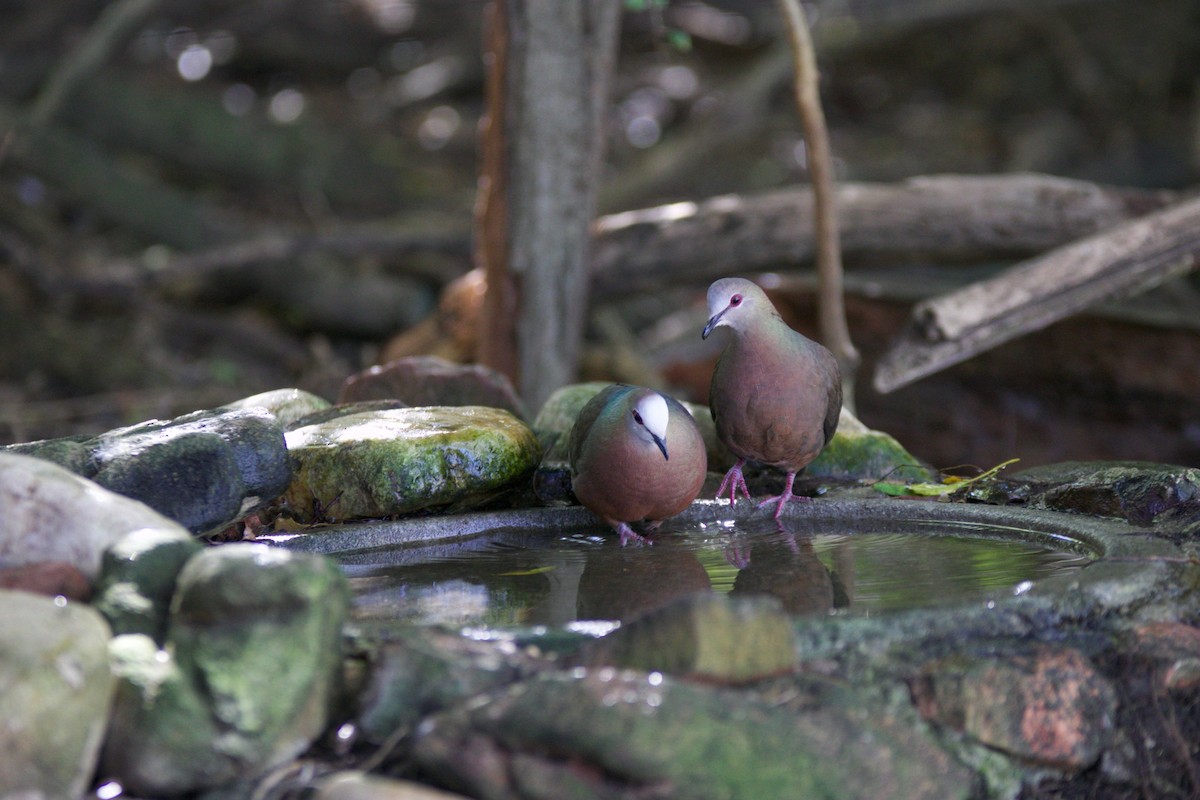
(735, 303)
(649, 415)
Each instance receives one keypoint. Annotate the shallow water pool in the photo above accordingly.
(512, 578)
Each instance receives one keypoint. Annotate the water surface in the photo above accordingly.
(515, 578)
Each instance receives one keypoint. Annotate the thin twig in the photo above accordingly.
(831, 309)
(116, 24)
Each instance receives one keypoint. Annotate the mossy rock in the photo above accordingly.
(386, 463)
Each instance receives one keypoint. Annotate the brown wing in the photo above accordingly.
(588, 416)
(834, 410)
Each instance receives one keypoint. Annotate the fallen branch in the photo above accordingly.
(946, 218)
(1125, 261)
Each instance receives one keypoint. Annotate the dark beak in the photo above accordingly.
(712, 323)
(661, 446)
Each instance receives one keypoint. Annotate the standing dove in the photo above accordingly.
(636, 454)
(775, 394)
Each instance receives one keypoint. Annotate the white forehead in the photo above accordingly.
(653, 410)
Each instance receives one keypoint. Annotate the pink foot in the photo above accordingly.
(628, 535)
(782, 499)
(734, 480)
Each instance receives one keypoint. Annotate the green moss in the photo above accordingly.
(397, 461)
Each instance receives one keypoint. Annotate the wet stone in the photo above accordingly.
(431, 381)
(1174, 647)
(287, 405)
(362, 786)
(712, 637)
(425, 670)
(137, 579)
(602, 733)
(1139, 492)
(386, 463)
(202, 470)
(1050, 707)
(247, 676)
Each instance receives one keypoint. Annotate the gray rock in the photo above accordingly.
(361, 786)
(57, 687)
(431, 381)
(137, 579)
(255, 646)
(708, 636)
(163, 739)
(424, 671)
(51, 514)
(1047, 707)
(203, 470)
(384, 463)
(605, 734)
(1136, 491)
(344, 410)
(288, 405)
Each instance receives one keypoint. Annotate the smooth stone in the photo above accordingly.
(163, 739)
(603, 733)
(255, 645)
(424, 671)
(431, 381)
(51, 514)
(203, 469)
(57, 688)
(859, 453)
(380, 464)
(708, 636)
(1048, 707)
(350, 785)
(288, 405)
(345, 410)
(1137, 491)
(137, 579)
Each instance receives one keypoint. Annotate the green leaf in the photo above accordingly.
(949, 485)
(680, 40)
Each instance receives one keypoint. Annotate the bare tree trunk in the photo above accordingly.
(556, 67)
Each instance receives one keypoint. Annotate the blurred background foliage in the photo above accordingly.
(335, 142)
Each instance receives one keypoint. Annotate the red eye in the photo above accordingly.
(736, 300)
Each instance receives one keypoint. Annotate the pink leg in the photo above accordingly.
(734, 480)
(781, 500)
(628, 534)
